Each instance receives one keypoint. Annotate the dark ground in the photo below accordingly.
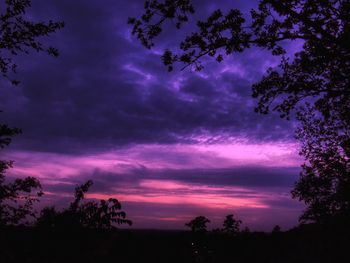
(304, 244)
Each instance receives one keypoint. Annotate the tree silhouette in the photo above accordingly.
(318, 74)
(324, 184)
(231, 225)
(20, 35)
(17, 197)
(198, 224)
(94, 215)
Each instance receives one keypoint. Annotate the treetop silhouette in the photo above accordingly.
(92, 214)
(231, 225)
(198, 224)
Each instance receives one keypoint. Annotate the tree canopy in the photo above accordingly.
(313, 81)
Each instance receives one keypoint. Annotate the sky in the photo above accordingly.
(168, 146)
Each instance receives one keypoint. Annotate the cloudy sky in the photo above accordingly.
(169, 146)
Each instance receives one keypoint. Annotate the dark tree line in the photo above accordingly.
(314, 82)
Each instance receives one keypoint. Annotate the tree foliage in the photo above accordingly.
(94, 215)
(18, 35)
(320, 68)
(231, 225)
(21, 35)
(17, 197)
(314, 81)
(198, 224)
(324, 184)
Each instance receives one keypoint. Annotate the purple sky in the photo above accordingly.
(169, 146)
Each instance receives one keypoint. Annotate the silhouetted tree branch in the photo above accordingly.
(318, 69)
(20, 35)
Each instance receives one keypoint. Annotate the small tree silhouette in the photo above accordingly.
(198, 224)
(92, 214)
(231, 225)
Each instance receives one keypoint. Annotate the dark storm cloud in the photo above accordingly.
(105, 89)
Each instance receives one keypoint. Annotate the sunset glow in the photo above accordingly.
(210, 177)
(169, 146)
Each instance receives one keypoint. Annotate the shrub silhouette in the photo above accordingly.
(92, 214)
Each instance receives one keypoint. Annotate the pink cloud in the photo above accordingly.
(153, 156)
(67, 170)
